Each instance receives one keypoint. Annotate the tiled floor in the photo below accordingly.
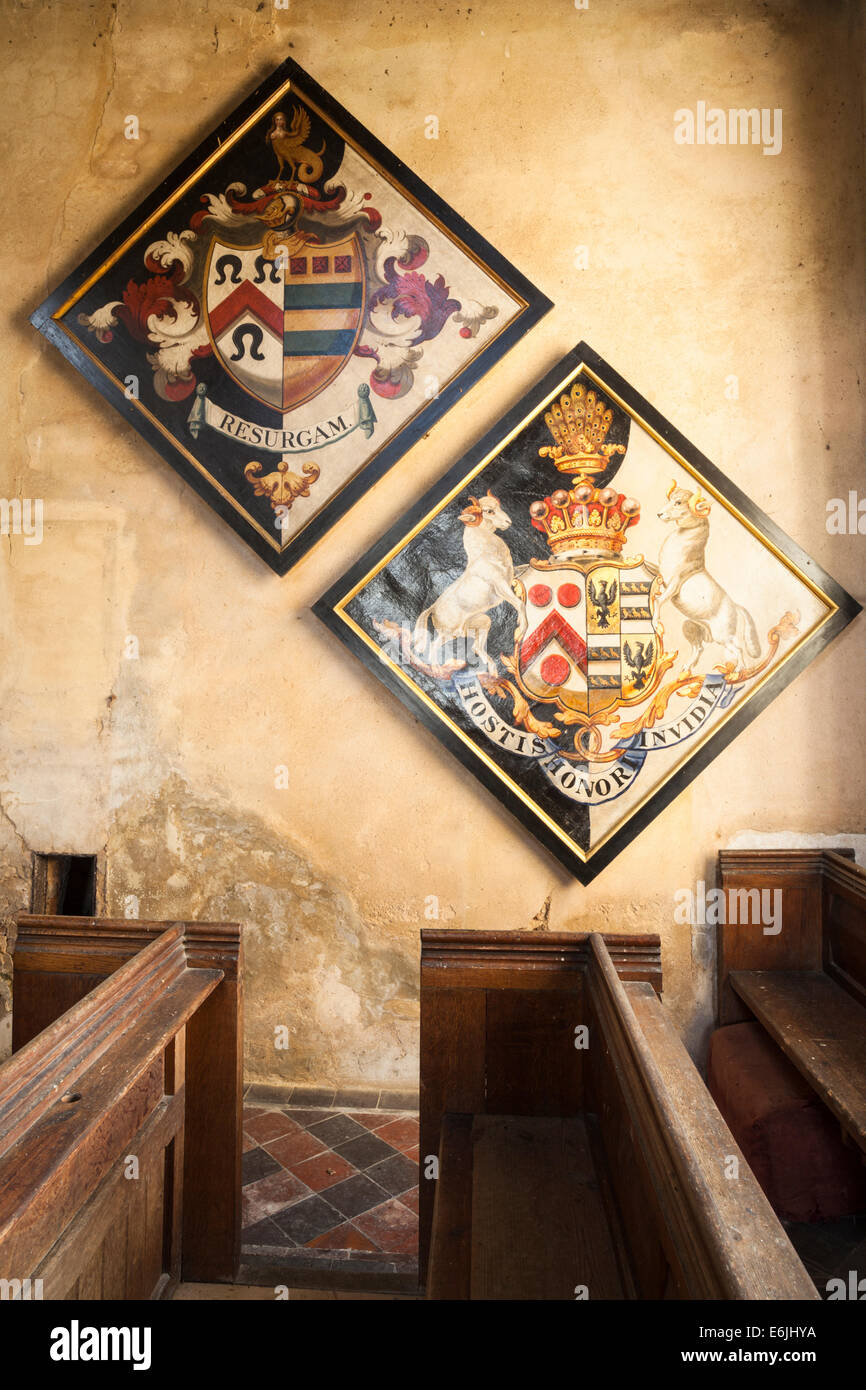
(331, 1189)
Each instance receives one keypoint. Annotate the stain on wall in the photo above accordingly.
(345, 990)
(155, 674)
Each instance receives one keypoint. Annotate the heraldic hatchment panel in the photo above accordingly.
(287, 314)
(586, 611)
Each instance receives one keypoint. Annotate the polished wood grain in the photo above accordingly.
(143, 1065)
(498, 1012)
(630, 1191)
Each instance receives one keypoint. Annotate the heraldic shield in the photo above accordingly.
(585, 681)
(284, 328)
(591, 643)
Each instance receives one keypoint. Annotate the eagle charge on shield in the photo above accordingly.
(586, 640)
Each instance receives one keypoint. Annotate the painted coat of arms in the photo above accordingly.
(291, 317)
(586, 611)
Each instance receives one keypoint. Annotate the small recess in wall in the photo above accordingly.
(64, 885)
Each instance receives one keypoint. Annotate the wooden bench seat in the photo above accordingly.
(803, 982)
(821, 1029)
(530, 1217)
(617, 1176)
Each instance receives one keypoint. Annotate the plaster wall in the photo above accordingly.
(702, 264)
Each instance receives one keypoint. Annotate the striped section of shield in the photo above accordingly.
(323, 313)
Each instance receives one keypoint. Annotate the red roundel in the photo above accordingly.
(540, 595)
(554, 670)
(568, 595)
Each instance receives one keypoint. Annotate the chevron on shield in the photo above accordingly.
(284, 329)
(590, 643)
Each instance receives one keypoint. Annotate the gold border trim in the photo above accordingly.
(213, 158)
(537, 811)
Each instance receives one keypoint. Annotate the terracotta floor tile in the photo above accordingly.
(271, 1195)
(372, 1120)
(391, 1226)
(410, 1199)
(294, 1148)
(400, 1134)
(249, 1144)
(323, 1171)
(346, 1237)
(270, 1124)
(414, 1154)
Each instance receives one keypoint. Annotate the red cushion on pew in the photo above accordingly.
(790, 1139)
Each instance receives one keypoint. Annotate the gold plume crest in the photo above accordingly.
(579, 423)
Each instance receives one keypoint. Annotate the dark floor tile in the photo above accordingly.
(308, 1219)
(365, 1151)
(396, 1175)
(308, 1117)
(257, 1164)
(299, 1259)
(268, 1095)
(356, 1100)
(312, 1270)
(310, 1096)
(338, 1129)
(398, 1100)
(264, 1233)
(356, 1195)
(374, 1262)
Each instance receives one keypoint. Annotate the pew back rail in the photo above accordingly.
(640, 1190)
(120, 1107)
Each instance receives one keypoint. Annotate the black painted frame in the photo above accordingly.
(537, 304)
(847, 609)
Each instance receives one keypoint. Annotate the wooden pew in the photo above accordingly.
(128, 1046)
(567, 1171)
(805, 984)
